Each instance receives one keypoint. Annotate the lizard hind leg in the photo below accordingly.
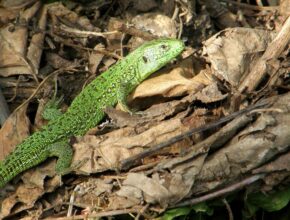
(64, 152)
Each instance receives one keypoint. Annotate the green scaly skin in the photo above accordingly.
(86, 111)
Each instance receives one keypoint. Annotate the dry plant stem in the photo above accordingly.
(228, 189)
(72, 68)
(4, 110)
(15, 90)
(66, 43)
(121, 27)
(252, 7)
(273, 51)
(214, 141)
(127, 163)
(80, 33)
(99, 215)
(231, 216)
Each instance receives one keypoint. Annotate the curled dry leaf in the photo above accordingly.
(230, 52)
(14, 131)
(182, 80)
(154, 23)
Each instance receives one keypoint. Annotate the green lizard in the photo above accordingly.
(86, 110)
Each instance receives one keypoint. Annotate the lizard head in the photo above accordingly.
(156, 54)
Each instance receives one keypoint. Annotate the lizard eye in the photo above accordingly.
(164, 47)
(145, 59)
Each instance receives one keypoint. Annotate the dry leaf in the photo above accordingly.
(230, 52)
(14, 131)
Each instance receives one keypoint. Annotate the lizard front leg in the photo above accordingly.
(51, 109)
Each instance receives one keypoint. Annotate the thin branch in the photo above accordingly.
(228, 189)
(228, 207)
(98, 215)
(127, 163)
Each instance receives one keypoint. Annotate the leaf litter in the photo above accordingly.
(192, 92)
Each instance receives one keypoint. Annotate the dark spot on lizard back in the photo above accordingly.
(145, 59)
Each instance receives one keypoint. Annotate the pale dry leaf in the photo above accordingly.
(19, 4)
(13, 51)
(13, 45)
(155, 23)
(106, 151)
(35, 48)
(7, 15)
(120, 202)
(14, 131)
(230, 51)
(153, 190)
(38, 176)
(95, 58)
(65, 14)
(168, 83)
(56, 61)
(180, 81)
(90, 192)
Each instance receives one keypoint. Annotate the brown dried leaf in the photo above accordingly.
(7, 15)
(23, 198)
(13, 46)
(16, 3)
(258, 143)
(181, 80)
(95, 58)
(156, 23)
(106, 151)
(35, 184)
(230, 52)
(177, 82)
(56, 61)
(14, 130)
(70, 17)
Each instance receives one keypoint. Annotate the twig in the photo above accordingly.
(275, 48)
(98, 215)
(42, 82)
(66, 43)
(121, 27)
(80, 33)
(228, 207)
(127, 163)
(221, 192)
(252, 7)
